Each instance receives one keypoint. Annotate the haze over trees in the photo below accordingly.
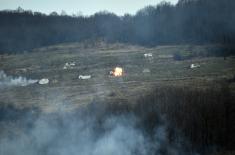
(187, 22)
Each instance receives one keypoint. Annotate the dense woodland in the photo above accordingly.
(187, 22)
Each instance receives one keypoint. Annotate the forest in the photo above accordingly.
(187, 22)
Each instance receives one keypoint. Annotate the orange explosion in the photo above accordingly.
(118, 71)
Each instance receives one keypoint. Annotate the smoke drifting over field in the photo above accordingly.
(93, 130)
(6, 81)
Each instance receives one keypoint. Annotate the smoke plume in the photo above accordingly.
(6, 81)
(88, 131)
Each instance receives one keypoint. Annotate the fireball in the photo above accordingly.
(118, 71)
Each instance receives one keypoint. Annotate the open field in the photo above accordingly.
(192, 110)
(65, 89)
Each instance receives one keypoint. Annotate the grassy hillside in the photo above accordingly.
(197, 103)
(97, 61)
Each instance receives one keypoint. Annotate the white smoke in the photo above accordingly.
(95, 129)
(87, 135)
(6, 81)
(79, 137)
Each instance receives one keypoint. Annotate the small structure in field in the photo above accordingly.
(69, 65)
(84, 77)
(43, 81)
(192, 66)
(148, 55)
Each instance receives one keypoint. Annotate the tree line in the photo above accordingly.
(187, 22)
